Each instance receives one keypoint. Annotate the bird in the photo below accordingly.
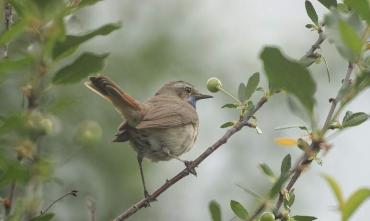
(159, 129)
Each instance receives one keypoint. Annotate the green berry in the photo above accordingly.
(267, 216)
(214, 85)
(88, 133)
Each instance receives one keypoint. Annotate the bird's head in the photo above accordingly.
(182, 90)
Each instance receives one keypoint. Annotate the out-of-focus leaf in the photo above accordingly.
(239, 210)
(304, 218)
(285, 165)
(336, 190)
(13, 170)
(277, 186)
(215, 210)
(354, 201)
(44, 217)
(362, 7)
(297, 108)
(241, 92)
(227, 124)
(350, 38)
(7, 65)
(88, 63)
(329, 3)
(354, 119)
(252, 85)
(11, 122)
(71, 43)
(230, 106)
(83, 3)
(14, 31)
(289, 75)
(311, 12)
(267, 170)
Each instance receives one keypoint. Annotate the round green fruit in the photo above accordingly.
(214, 85)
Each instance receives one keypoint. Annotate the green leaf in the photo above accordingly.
(83, 3)
(44, 217)
(215, 210)
(329, 3)
(277, 186)
(289, 75)
(354, 201)
(239, 210)
(354, 119)
(336, 190)
(311, 12)
(362, 7)
(12, 122)
(71, 43)
(88, 63)
(267, 170)
(227, 124)
(252, 85)
(285, 165)
(7, 65)
(230, 106)
(241, 92)
(304, 218)
(14, 31)
(350, 38)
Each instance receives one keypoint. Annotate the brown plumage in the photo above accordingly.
(163, 127)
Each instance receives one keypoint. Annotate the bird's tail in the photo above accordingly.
(124, 103)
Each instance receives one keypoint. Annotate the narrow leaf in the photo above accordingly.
(289, 75)
(362, 7)
(252, 85)
(239, 210)
(311, 12)
(15, 30)
(71, 42)
(354, 201)
(350, 38)
(88, 63)
(351, 120)
(285, 165)
(7, 65)
(230, 106)
(329, 3)
(44, 217)
(336, 190)
(304, 218)
(241, 92)
(227, 124)
(215, 210)
(267, 170)
(277, 186)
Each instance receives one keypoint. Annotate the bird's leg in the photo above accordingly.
(187, 163)
(146, 194)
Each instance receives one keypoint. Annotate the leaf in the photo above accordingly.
(354, 201)
(304, 218)
(285, 165)
(362, 7)
(350, 38)
(7, 65)
(88, 63)
(239, 210)
(329, 3)
(311, 12)
(286, 141)
(230, 106)
(336, 190)
(267, 170)
(252, 85)
(44, 217)
(227, 124)
(289, 75)
(241, 92)
(354, 119)
(71, 43)
(277, 186)
(14, 31)
(214, 209)
(12, 122)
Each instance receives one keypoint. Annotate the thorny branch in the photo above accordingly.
(193, 164)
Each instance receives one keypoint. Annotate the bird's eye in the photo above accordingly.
(188, 90)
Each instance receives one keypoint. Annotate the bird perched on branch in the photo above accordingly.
(160, 129)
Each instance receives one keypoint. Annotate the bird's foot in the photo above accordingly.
(148, 199)
(190, 167)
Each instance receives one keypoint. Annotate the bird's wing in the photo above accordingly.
(167, 112)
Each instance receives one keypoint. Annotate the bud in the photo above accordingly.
(267, 216)
(214, 85)
(39, 124)
(88, 133)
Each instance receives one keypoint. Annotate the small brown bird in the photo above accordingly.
(160, 129)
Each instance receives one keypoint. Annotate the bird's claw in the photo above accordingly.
(148, 199)
(190, 167)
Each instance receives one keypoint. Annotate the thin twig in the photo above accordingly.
(72, 193)
(8, 20)
(91, 208)
(193, 164)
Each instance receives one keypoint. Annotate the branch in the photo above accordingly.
(193, 164)
(8, 19)
(72, 193)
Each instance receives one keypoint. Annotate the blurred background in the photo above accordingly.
(190, 40)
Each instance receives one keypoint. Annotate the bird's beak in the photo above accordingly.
(200, 96)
